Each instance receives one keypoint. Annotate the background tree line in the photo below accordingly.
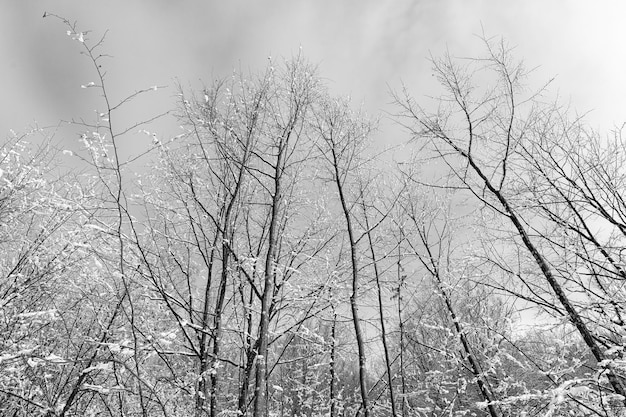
(274, 261)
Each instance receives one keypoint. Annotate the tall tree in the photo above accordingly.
(434, 250)
(232, 213)
(509, 156)
(342, 136)
(288, 112)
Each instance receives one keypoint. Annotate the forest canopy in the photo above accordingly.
(272, 260)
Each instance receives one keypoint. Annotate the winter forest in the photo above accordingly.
(273, 260)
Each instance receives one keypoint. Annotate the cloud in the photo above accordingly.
(362, 45)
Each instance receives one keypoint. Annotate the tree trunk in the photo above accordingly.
(260, 389)
(242, 403)
(204, 337)
(355, 287)
(381, 312)
(401, 324)
(572, 314)
(333, 353)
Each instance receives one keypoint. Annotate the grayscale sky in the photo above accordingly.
(363, 47)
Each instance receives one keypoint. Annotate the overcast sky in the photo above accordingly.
(362, 47)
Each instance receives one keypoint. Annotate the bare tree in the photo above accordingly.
(342, 137)
(508, 156)
(434, 251)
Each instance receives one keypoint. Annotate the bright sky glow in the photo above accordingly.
(363, 48)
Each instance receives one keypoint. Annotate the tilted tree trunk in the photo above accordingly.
(333, 354)
(573, 315)
(381, 311)
(358, 332)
